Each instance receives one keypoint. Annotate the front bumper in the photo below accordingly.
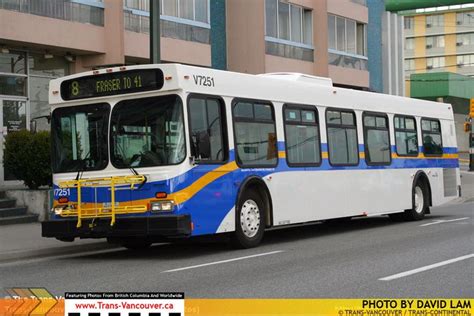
(175, 226)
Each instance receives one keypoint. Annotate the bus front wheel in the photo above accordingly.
(249, 220)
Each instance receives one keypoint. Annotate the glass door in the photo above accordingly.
(12, 119)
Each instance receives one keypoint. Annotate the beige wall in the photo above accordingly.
(347, 76)
(246, 36)
(348, 9)
(36, 31)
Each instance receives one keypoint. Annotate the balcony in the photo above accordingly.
(83, 11)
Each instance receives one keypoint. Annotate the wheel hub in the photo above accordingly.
(250, 218)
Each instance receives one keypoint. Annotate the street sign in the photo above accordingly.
(471, 109)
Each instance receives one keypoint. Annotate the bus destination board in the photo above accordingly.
(112, 84)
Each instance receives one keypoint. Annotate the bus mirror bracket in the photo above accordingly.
(33, 122)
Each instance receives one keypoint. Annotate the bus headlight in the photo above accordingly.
(162, 206)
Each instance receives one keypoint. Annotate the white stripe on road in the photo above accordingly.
(223, 261)
(441, 221)
(425, 268)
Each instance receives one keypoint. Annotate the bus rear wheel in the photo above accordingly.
(249, 220)
(419, 204)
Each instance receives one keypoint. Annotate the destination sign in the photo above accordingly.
(112, 84)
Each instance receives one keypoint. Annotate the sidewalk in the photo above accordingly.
(24, 241)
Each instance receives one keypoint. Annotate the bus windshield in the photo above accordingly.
(80, 138)
(147, 132)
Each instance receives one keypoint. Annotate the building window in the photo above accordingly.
(410, 44)
(302, 136)
(409, 22)
(409, 64)
(465, 39)
(377, 140)
(435, 63)
(255, 134)
(436, 20)
(406, 137)
(206, 128)
(465, 60)
(465, 18)
(288, 22)
(348, 36)
(342, 137)
(181, 19)
(431, 133)
(435, 41)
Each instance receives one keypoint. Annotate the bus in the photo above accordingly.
(147, 153)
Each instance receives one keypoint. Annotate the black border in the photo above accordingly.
(423, 136)
(234, 119)
(146, 98)
(405, 130)
(366, 129)
(344, 126)
(224, 128)
(75, 109)
(317, 125)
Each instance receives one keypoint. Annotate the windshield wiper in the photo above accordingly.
(82, 167)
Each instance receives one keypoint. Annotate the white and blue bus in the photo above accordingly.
(148, 153)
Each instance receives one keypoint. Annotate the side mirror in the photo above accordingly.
(194, 160)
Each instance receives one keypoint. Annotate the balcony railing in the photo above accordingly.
(83, 11)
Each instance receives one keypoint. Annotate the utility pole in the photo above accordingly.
(155, 40)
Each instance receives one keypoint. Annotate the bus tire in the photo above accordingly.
(420, 203)
(249, 220)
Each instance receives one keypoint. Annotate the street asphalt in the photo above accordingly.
(369, 257)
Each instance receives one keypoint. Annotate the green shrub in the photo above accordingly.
(28, 157)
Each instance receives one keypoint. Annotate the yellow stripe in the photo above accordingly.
(281, 154)
(188, 192)
(422, 156)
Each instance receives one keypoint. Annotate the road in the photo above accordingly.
(370, 257)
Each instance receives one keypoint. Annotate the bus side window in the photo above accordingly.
(302, 135)
(342, 137)
(206, 128)
(431, 133)
(406, 137)
(377, 139)
(255, 133)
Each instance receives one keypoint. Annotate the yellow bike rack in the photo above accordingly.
(83, 212)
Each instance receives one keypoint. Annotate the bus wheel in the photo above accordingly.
(420, 203)
(249, 221)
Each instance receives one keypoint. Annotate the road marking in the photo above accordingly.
(425, 268)
(224, 261)
(442, 221)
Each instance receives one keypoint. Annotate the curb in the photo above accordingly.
(54, 251)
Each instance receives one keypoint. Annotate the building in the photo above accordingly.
(45, 39)
(439, 58)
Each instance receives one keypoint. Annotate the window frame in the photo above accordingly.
(240, 119)
(366, 129)
(136, 99)
(395, 129)
(423, 136)
(224, 128)
(317, 125)
(328, 125)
